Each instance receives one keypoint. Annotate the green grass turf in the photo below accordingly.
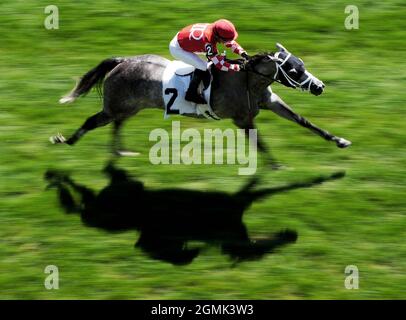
(358, 220)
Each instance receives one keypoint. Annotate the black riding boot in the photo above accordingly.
(191, 93)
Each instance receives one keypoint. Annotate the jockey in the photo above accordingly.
(202, 38)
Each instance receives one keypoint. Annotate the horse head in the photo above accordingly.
(287, 69)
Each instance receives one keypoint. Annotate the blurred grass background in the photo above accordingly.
(359, 220)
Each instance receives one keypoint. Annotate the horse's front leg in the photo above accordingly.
(274, 103)
(247, 125)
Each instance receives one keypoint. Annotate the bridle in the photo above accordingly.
(295, 84)
(304, 85)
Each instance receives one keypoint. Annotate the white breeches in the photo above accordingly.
(188, 57)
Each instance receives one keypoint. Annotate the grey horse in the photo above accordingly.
(132, 84)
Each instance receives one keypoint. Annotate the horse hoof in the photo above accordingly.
(68, 99)
(123, 153)
(59, 138)
(343, 143)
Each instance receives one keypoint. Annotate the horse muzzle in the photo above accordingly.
(317, 88)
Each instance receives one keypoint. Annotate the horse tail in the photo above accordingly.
(91, 78)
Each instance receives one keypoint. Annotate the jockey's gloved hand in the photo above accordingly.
(245, 56)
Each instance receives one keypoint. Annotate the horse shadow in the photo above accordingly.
(169, 219)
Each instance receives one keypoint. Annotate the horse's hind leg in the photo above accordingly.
(117, 145)
(95, 121)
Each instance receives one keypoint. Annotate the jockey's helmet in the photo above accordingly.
(225, 30)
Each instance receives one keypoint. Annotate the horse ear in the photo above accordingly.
(281, 47)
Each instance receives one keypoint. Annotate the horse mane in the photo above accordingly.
(259, 56)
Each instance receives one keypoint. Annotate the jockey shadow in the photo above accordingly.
(169, 219)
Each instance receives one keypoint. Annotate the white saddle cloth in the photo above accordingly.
(175, 82)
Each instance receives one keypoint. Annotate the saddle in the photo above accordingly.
(176, 79)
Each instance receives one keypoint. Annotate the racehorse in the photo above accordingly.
(134, 83)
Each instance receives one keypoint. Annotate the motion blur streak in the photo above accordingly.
(357, 220)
